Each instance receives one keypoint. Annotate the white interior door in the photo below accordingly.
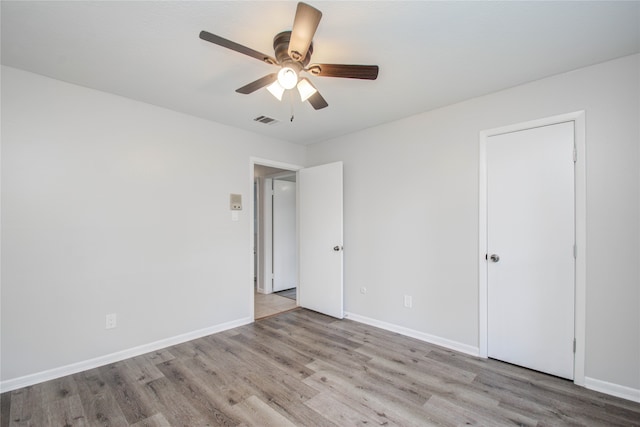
(530, 230)
(320, 239)
(285, 251)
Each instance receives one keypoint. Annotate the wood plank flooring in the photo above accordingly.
(301, 368)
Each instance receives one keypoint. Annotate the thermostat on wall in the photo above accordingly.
(236, 202)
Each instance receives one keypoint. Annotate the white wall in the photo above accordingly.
(110, 205)
(115, 206)
(411, 212)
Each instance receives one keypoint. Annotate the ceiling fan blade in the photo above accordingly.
(204, 35)
(366, 72)
(317, 101)
(304, 27)
(258, 84)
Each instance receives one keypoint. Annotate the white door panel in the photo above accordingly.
(285, 256)
(530, 226)
(320, 239)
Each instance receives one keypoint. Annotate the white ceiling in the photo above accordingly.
(430, 54)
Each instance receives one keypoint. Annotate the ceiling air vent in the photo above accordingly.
(266, 120)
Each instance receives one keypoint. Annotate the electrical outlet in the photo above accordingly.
(110, 321)
(408, 301)
(363, 290)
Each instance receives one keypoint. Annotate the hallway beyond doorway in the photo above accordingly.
(269, 304)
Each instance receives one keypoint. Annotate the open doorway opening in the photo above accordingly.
(275, 240)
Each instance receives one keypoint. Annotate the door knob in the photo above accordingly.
(337, 248)
(494, 258)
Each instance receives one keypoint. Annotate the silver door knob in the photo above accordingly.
(337, 248)
(494, 258)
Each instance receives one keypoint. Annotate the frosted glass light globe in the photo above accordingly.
(287, 77)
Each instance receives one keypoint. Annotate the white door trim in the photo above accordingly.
(252, 162)
(578, 118)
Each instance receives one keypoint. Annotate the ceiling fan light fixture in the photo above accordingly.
(276, 90)
(306, 89)
(293, 51)
(287, 77)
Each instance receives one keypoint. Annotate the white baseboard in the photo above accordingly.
(617, 390)
(38, 377)
(432, 339)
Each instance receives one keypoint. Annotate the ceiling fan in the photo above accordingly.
(293, 51)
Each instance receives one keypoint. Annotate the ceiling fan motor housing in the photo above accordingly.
(281, 48)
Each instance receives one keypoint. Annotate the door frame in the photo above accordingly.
(578, 118)
(264, 162)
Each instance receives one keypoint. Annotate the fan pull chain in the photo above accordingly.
(291, 104)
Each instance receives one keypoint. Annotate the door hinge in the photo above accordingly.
(575, 251)
(575, 154)
(574, 345)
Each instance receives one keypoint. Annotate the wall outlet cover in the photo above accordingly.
(111, 321)
(408, 301)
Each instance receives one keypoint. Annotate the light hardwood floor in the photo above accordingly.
(302, 368)
(269, 304)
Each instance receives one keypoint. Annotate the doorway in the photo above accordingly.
(274, 239)
(493, 267)
(319, 216)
